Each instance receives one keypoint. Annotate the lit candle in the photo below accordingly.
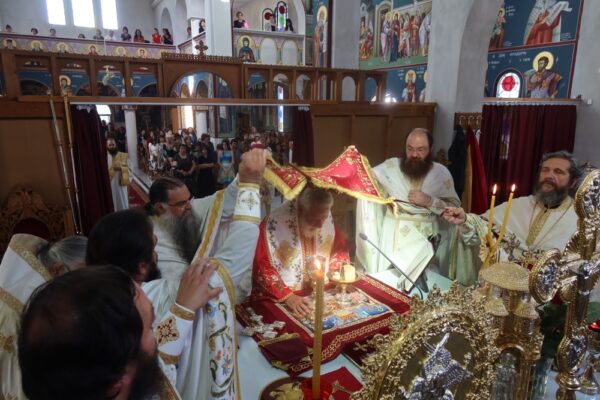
(491, 216)
(505, 219)
(318, 333)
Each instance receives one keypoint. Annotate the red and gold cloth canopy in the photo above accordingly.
(350, 173)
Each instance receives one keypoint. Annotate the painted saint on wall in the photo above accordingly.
(543, 25)
(245, 51)
(320, 38)
(542, 81)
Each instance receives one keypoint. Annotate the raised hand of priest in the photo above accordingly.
(298, 305)
(194, 291)
(454, 215)
(252, 166)
(418, 198)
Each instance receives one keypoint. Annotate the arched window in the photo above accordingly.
(266, 14)
(281, 14)
(509, 85)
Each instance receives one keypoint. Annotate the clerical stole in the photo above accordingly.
(20, 274)
(120, 159)
(220, 311)
(288, 253)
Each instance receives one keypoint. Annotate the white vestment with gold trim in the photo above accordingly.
(229, 222)
(530, 230)
(120, 180)
(20, 274)
(402, 234)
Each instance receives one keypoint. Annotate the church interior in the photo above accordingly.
(346, 199)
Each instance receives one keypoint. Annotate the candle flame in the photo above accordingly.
(494, 189)
(512, 188)
(317, 265)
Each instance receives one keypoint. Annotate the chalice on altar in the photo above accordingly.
(344, 278)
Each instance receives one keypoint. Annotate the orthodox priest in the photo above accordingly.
(536, 223)
(290, 238)
(118, 169)
(422, 189)
(224, 228)
(29, 262)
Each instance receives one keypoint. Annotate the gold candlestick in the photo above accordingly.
(318, 333)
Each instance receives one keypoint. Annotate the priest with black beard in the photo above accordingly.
(87, 335)
(541, 221)
(408, 232)
(224, 228)
(125, 239)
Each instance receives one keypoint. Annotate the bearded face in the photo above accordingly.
(554, 182)
(111, 146)
(416, 168)
(418, 160)
(147, 381)
(153, 271)
(185, 229)
(551, 198)
(312, 219)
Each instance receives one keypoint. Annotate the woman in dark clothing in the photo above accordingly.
(167, 38)
(183, 168)
(204, 178)
(125, 36)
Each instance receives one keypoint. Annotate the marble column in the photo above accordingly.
(131, 127)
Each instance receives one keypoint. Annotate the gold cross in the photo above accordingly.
(249, 201)
(360, 347)
(201, 48)
(573, 274)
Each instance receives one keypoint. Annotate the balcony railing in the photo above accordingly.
(12, 41)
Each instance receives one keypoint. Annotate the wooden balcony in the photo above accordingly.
(27, 73)
(83, 46)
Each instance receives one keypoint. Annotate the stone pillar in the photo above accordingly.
(131, 127)
(457, 60)
(218, 34)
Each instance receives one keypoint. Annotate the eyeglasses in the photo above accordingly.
(182, 204)
(418, 150)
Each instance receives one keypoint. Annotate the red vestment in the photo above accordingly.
(266, 278)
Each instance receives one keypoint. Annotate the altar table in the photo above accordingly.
(256, 372)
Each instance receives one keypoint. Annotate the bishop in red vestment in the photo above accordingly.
(289, 239)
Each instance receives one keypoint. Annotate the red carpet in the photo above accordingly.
(137, 196)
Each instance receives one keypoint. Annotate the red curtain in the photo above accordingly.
(479, 196)
(514, 138)
(302, 135)
(91, 167)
